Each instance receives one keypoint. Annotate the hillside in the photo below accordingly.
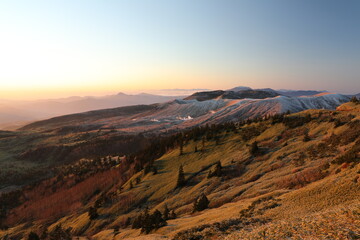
(287, 176)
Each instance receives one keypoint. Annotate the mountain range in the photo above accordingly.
(14, 114)
(212, 107)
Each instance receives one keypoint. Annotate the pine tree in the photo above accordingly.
(181, 177)
(254, 149)
(60, 234)
(181, 147)
(166, 213)
(33, 236)
(137, 222)
(44, 234)
(306, 137)
(93, 214)
(203, 143)
(157, 220)
(172, 215)
(127, 222)
(354, 99)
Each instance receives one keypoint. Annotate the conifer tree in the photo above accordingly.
(181, 143)
(254, 149)
(93, 214)
(181, 177)
(166, 213)
(33, 236)
(172, 215)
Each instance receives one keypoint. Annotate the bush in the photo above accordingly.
(201, 203)
(217, 171)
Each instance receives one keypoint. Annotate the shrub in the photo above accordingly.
(201, 203)
(300, 179)
(217, 171)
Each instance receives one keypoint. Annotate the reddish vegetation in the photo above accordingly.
(302, 178)
(62, 200)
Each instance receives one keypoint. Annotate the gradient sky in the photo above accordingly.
(78, 47)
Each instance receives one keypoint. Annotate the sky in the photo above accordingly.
(86, 47)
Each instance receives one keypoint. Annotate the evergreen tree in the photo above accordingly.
(203, 143)
(354, 99)
(60, 234)
(33, 236)
(172, 215)
(93, 214)
(44, 234)
(157, 220)
(166, 213)
(181, 177)
(181, 143)
(137, 222)
(254, 149)
(127, 222)
(306, 137)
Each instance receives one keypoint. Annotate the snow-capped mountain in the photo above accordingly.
(188, 112)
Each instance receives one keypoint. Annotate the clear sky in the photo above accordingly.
(76, 47)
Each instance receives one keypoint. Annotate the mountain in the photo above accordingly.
(299, 93)
(283, 92)
(189, 112)
(288, 176)
(13, 113)
(255, 94)
(241, 88)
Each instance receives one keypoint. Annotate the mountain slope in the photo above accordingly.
(306, 166)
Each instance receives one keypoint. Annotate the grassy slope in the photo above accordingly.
(263, 175)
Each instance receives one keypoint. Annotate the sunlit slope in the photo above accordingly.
(306, 167)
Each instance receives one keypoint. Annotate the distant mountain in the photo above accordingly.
(299, 93)
(202, 108)
(14, 113)
(242, 94)
(241, 88)
(284, 92)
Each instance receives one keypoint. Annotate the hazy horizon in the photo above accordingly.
(159, 92)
